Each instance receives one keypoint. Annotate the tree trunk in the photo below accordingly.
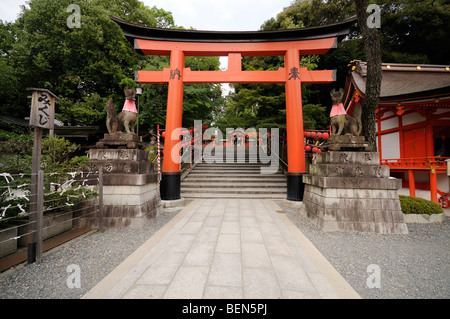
(374, 75)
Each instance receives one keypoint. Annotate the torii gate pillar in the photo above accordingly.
(171, 175)
(294, 127)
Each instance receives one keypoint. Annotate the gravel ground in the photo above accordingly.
(97, 254)
(416, 265)
(412, 266)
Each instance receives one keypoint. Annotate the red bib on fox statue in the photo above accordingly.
(129, 106)
(337, 109)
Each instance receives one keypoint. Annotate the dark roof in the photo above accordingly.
(14, 120)
(403, 81)
(132, 31)
(46, 91)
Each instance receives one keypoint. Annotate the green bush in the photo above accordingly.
(415, 205)
(152, 152)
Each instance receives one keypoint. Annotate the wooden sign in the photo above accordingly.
(42, 112)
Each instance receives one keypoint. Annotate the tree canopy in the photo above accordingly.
(88, 64)
(411, 32)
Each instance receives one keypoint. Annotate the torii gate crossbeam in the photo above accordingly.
(288, 43)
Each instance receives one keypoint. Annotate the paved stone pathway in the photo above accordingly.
(225, 248)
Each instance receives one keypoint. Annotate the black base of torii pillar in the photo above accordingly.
(170, 187)
(295, 187)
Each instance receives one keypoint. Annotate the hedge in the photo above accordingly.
(415, 205)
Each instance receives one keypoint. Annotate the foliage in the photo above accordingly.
(15, 152)
(415, 31)
(200, 101)
(88, 111)
(152, 152)
(308, 13)
(84, 66)
(416, 205)
(88, 65)
(411, 32)
(57, 155)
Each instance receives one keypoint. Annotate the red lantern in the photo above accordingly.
(313, 134)
(314, 150)
(319, 135)
(308, 134)
(308, 148)
(325, 136)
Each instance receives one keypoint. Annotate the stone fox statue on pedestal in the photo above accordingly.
(126, 118)
(341, 122)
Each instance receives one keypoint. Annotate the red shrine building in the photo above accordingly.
(412, 123)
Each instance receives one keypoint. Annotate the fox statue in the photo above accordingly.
(126, 118)
(341, 122)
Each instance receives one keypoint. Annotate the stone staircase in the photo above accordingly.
(233, 180)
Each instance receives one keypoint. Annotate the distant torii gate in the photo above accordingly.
(288, 43)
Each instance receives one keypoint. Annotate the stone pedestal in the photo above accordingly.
(347, 143)
(120, 140)
(351, 191)
(130, 184)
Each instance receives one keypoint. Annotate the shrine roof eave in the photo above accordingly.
(401, 82)
(134, 31)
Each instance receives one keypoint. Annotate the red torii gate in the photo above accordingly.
(288, 43)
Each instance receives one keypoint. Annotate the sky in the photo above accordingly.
(217, 15)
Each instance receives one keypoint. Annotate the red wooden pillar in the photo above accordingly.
(433, 186)
(171, 175)
(411, 183)
(294, 127)
(429, 138)
(430, 153)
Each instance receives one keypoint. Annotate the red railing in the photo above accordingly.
(437, 163)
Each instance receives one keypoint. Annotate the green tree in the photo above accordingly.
(78, 64)
(8, 82)
(415, 31)
(86, 66)
(411, 32)
(200, 101)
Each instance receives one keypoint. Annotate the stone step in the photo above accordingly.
(227, 171)
(233, 180)
(232, 185)
(237, 168)
(277, 179)
(225, 164)
(233, 196)
(235, 190)
(231, 174)
(231, 161)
